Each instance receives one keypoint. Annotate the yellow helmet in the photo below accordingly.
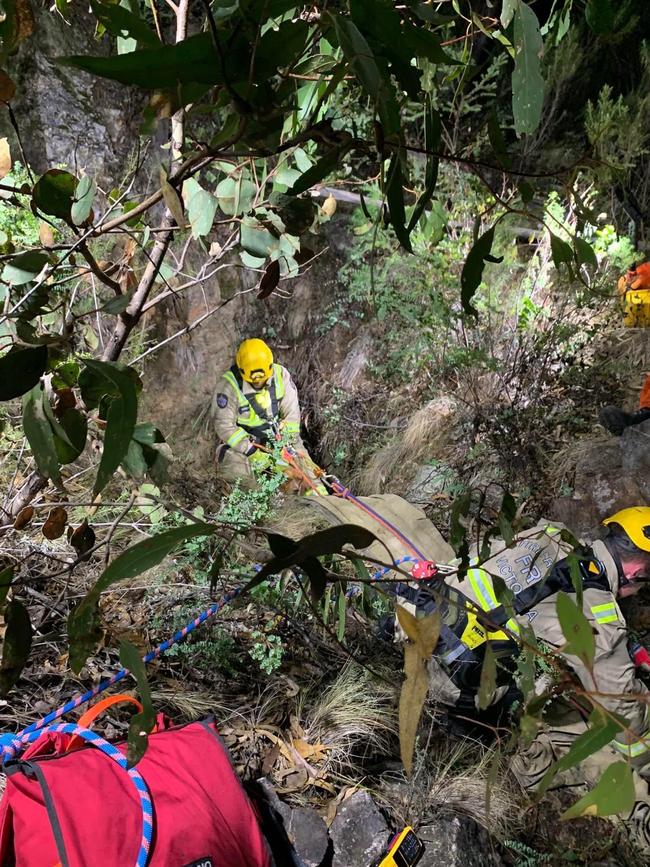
(254, 361)
(635, 523)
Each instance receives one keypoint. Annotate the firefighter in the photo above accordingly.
(535, 568)
(634, 292)
(256, 403)
(616, 420)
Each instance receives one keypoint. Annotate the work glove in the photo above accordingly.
(639, 656)
(259, 459)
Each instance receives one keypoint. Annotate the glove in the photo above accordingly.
(640, 656)
(259, 459)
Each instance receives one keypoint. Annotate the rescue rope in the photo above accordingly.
(345, 493)
(11, 749)
(13, 745)
(136, 778)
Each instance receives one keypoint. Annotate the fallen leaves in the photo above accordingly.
(54, 526)
(23, 518)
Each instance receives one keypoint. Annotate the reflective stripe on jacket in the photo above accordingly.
(244, 416)
(535, 569)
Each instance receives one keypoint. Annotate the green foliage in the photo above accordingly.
(267, 651)
(19, 226)
(142, 723)
(83, 622)
(527, 81)
(16, 645)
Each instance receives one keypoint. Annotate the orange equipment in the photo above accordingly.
(634, 289)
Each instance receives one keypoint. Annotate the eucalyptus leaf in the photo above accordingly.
(527, 81)
(20, 370)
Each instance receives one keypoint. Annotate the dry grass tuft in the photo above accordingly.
(189, 704)
(562, 468)
(452, 777)
(356, 716)
(426, 436)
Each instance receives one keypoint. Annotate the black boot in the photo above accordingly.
(615, 420)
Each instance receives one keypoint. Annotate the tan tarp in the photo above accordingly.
(410, 520)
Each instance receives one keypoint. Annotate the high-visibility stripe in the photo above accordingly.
(279, 381)
(631, 750)
(605, 613)
(452, 655)
(483, 589)
(513, 626)
(291, 427)
(236, 437)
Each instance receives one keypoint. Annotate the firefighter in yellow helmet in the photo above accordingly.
(255, 400)
(536, 567)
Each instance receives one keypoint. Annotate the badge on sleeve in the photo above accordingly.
(222, 400)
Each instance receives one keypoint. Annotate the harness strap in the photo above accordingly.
(234, 377)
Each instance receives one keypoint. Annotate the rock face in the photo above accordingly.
(359, 835)
(359, 832)
(458, 841)
(69, 117)
(611, 475)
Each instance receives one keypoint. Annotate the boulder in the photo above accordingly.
(459, 841)
(66, 116)
(298, 835)
(359, 832)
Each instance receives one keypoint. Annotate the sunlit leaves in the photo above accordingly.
(613, 794)
(201, 207)
(84, 195)
(235, 194)
(527, 81)
(24, 268)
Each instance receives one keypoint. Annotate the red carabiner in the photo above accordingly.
(423, 570)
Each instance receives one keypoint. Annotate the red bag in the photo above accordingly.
(77, 808)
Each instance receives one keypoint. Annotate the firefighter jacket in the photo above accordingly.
(535, 569)
(244, 416)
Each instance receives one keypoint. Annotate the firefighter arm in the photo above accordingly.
(224, 412)
(289, 409)
(614, 682)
